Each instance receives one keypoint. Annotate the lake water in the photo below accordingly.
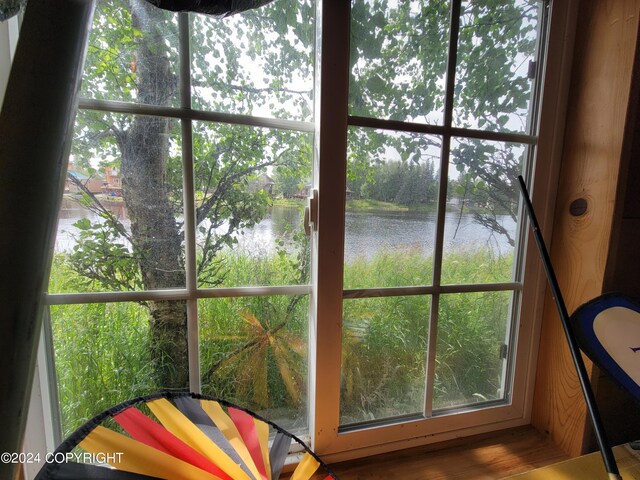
(366, 233)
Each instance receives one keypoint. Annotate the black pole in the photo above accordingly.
(594, 414)
(35, 125)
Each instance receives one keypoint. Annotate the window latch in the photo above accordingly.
(531, 71)
(311, 213)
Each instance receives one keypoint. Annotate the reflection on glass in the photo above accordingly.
(250, 187)
(399, 60)
(254, 352)
(384, 346)
(132, 54)
(482, 211)
(119, 226)
(103, 356)
(496, 44)
(471, 332)
(392, 191)
(259, 62)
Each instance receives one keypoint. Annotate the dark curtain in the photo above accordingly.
(221, 8)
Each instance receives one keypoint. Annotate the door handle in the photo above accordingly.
(311, 213)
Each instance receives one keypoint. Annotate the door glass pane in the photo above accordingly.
(254, 352)
(107, 353)
(384, 346)
(250, 187)
(399, 60)
(120, 222)
(496, 45)
(471, 331)
(392, 192)
(482, 211)
(132, 54)
(259, 62)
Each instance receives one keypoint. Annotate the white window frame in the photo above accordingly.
(329, 440)
(326, 292)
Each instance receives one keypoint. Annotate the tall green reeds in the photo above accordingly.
(254, 349)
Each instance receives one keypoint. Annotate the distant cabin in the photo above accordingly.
(92, 183)
(113, 182)
(263, 182)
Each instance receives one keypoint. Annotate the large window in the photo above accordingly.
(441, 103)
(183, 260)
(180, 260)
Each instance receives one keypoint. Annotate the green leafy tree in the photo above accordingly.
(398, 68)
(488, 173)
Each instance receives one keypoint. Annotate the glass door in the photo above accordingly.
(181, 260)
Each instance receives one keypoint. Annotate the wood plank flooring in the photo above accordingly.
(489, 456)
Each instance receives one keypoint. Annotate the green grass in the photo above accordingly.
(374, 206)
(289, 202)
(392, 269)
(101, 350)
(368, 205)
(361, 205)
(101, 358)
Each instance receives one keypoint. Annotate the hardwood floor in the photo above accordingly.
(490, 456)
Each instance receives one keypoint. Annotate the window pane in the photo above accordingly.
(120, 226)
(132, 54)
(254, 352)
(392, 182)
(256, 63)
(497, 42)
(250, 186)
(384, 346)
(482, 210)
(399, 60)
(471, 331)
(102, 357)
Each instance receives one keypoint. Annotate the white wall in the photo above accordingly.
(8, 40)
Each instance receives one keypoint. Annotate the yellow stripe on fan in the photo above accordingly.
(229, 430)
(305, 468)
(263, 435)
(178, 424)
(133, 456)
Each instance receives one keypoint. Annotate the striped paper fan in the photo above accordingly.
(181, 436)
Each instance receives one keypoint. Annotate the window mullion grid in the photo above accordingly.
(429, 290)
(454, 27)
(188, 191)
(187, 116)
(169, 294)
(117, 106)
(440, 130)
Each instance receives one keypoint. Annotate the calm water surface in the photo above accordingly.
(366, 233)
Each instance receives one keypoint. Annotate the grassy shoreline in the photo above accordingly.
(376, 206)
(102, 353)
(372, 206)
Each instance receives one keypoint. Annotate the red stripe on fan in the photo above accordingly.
(247, 428)
(145, 430)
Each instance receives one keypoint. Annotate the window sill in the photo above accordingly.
(487, 456)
